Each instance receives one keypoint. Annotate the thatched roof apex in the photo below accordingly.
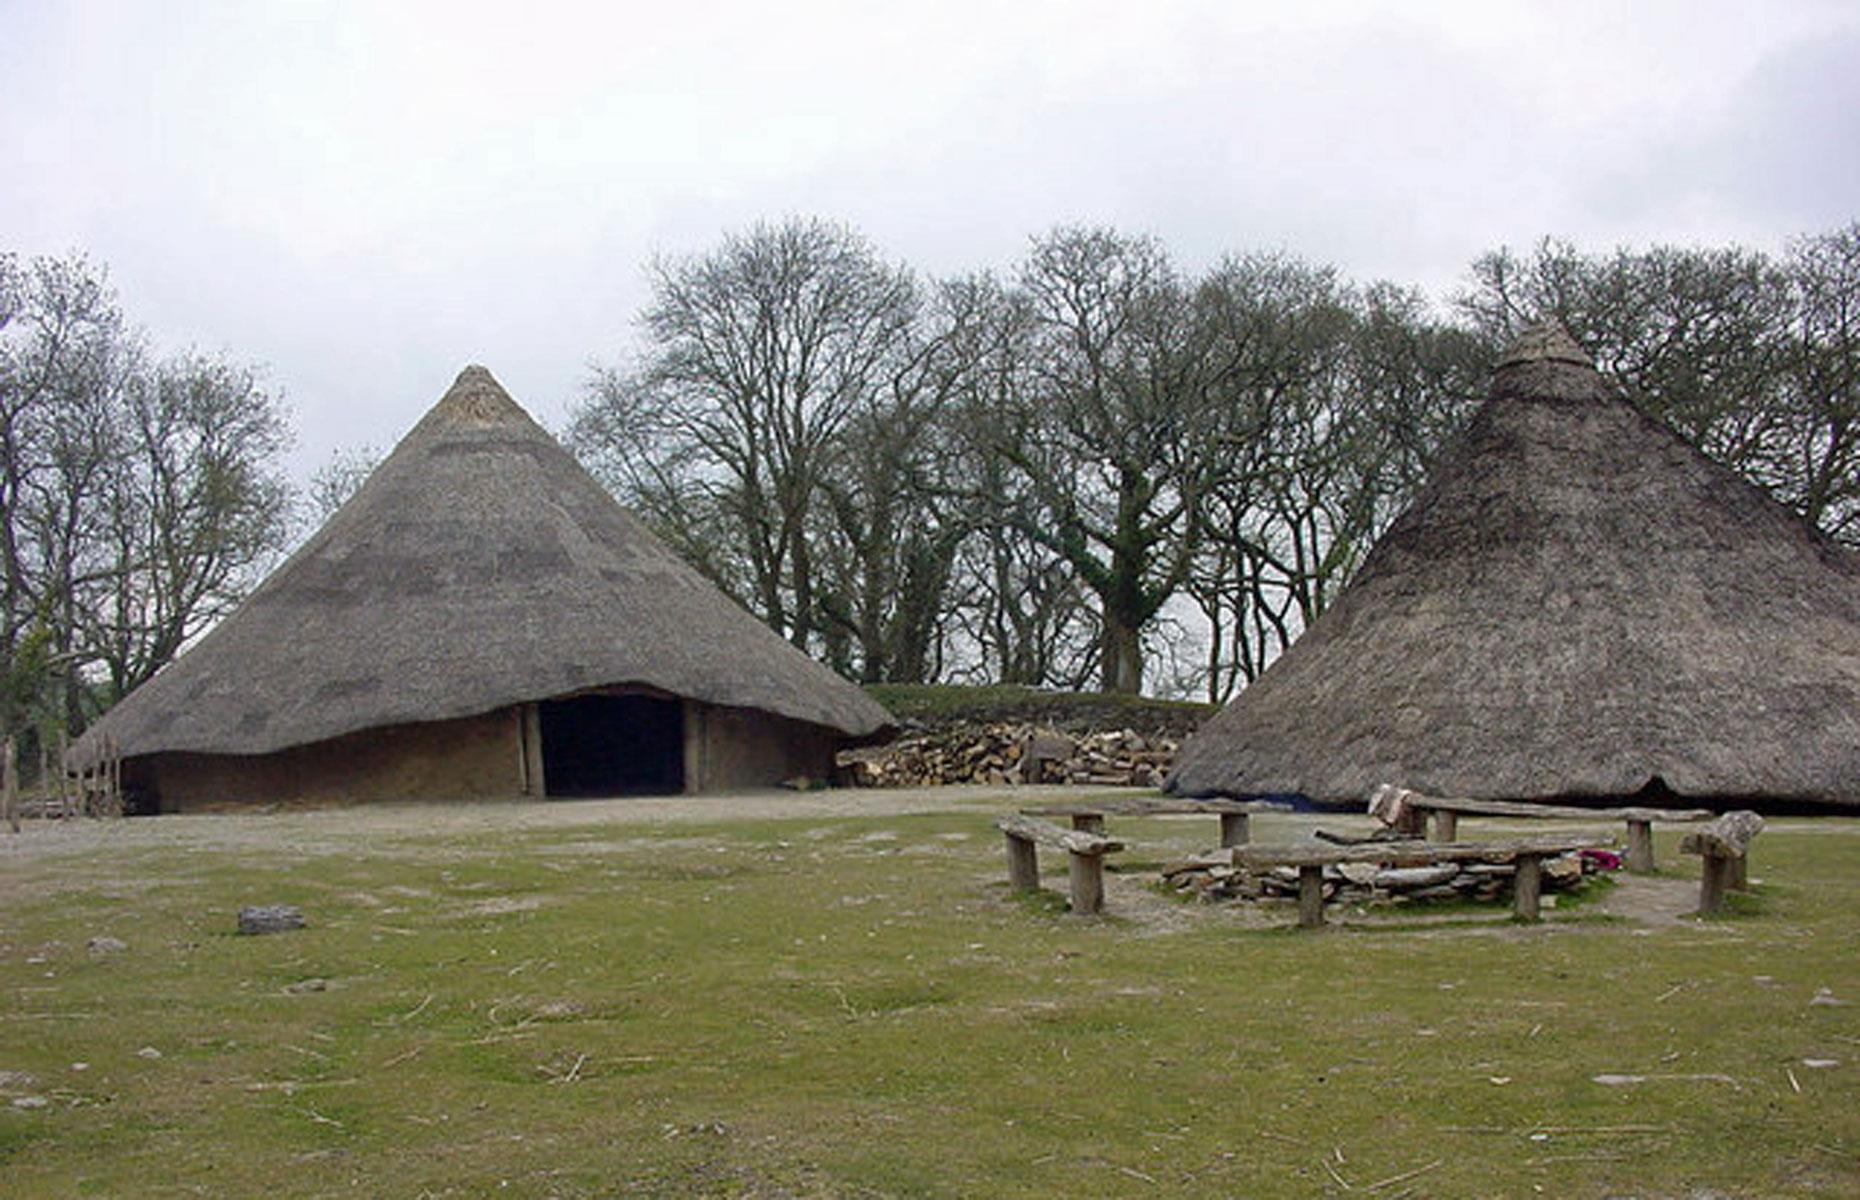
(1579, 603)
(478, 567)
(1546, 342)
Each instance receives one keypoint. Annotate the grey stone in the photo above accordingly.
(270, 918)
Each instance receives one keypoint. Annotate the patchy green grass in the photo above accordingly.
(855, 1006)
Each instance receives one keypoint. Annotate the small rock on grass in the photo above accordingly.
(102, 945)
(30, 1102)
(270, 918)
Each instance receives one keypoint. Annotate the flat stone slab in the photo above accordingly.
(270, 918)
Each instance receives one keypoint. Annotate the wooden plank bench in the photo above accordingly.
(1089, 815)
(1725, 847)
(1311, 860)
(1412, 810)
(1085, 853)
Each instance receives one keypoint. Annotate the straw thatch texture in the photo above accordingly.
(1579, 603)
(480, 566)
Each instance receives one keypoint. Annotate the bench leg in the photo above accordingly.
(1740, 874)
(1640, 847)
(1088, 822)
(1311, 897)
(1023, 864)
(1087, 872)
(1527, 888)
(1413, 823)
(1234, 831)
(1712, 881)
(1446, 825)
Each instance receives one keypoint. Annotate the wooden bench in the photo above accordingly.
(1725, 847)
(1528, 854)
(1088, 815)
(1412, 810)
(1085, 853)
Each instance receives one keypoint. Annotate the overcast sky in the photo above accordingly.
(362, 198)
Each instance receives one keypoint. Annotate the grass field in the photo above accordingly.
(836, 996)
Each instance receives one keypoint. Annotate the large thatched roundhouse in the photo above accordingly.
(1578, 605)
(480, 620)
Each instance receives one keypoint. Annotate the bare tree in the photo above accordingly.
(758, 356)
(1110, 435)
(139, 496)
(196, 506)
(335, 481)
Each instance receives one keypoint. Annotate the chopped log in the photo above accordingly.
(1356, 839)
(1414, 877)
(1415, 853)
(1197, 862)
(1388, 794)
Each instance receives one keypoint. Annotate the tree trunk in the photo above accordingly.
(1121, 650)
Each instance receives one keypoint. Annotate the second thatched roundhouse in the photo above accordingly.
(1578, 605)
(480, 620)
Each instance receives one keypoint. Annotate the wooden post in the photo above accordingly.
(1640, 847)
(1446, 825)
(1023, 864)
(9, 799)
(1311, 897)
(1234, 830)
(1716, 874)
(1413, 821)
(1087, 872)
(1528, 887)
(1739, 879)
(1088, 822)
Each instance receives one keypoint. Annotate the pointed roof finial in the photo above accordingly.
(1545, 341)
(475, 399)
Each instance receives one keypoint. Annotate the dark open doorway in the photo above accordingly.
(613, 746)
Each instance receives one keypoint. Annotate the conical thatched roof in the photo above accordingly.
(478, 567)
(1578, 603)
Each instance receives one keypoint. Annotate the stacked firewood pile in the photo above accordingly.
(1214, 878)
(1011, 754)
